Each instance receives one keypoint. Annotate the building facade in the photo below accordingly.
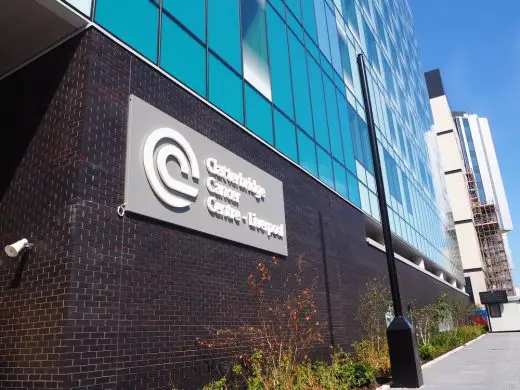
(110, 298)
(476, 193)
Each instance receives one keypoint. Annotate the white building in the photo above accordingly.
(476, 193)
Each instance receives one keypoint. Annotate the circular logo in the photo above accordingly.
(161, 145)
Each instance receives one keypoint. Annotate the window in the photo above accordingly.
(345, 59)
(307, 153)
(225, 89)
(285, 136)
(392, 176)
(136, 24)
(333, 39)
(321, 25)
(259, 115)
(346, 136)
(279, 60)
(325, 167)
(254, 45)
(176, 47)
(349, 7)
(495, 311)
(353, 189)
(224, 38)
(319, 113)
(331, 105)
(309, 21)
(371, 46)
(340, 179)
(300, 84)
(192, 14)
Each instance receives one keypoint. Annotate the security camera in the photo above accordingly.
(14, 250)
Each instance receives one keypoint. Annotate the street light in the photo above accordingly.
(402, 343)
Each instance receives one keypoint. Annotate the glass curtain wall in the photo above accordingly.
(287, 71)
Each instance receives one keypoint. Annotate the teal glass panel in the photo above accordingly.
(285, 136)
(309, 21)
(312, 48)
(192, 14)
(294, 6)
(224, 38)
(336, 145)
(280, 64)
(294, 25)
(225, 89)
(135, 23)
(367, 153)
(319, 113)
(325, 167)
(353, 189)
(356, 136)
(349, 8)
(176, 46)
(279, 6)
(321, 26)
(340, 179)
(333, 39)
(300, 84)
(345, 59)
(346, 136)
(259, 115)
(254, 45)
(307, 153)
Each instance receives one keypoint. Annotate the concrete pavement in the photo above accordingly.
(490, 363)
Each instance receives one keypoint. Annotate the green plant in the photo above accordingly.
(427, 352)
(219, 384)
(374, 302)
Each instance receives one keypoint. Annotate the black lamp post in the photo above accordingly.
(402, 344)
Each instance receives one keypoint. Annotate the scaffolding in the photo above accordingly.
(490, 235)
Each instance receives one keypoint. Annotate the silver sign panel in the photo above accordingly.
(176, 175)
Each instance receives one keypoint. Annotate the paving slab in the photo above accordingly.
(490, 363)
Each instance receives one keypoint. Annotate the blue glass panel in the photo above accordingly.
(307, 153)
(300, 84)
(254, 45)
(353, 189)
(356, 136)
(191, 14)
(349, 8)
(321, 26)
(340, 179)
(309, 21)
(279, 6)
(224, 38)
(336, 145)
(371, 46)
(367, 153)
(285, 136)
(325, 167)
(176, 46)
(135, 23)
(225, 89)
(259, 115)
(312, 48)
(294, 25)
(333, 39)
(348, 148)
(319, 113)
(279, 60)
(294, 6)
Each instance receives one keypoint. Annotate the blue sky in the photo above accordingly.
(476, 45)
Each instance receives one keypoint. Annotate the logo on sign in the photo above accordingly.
(160, 146)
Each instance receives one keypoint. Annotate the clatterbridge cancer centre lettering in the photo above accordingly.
(229, 211)
(177, 175)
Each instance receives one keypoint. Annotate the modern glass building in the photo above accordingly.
(122, 282)
(287, 72)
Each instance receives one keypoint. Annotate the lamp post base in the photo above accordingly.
(404, 356)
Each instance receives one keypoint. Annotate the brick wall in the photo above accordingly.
(107, 302)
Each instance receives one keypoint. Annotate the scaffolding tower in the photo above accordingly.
(490, 235)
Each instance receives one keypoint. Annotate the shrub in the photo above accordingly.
(374, 303)
(427, 352)
(363, 375)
